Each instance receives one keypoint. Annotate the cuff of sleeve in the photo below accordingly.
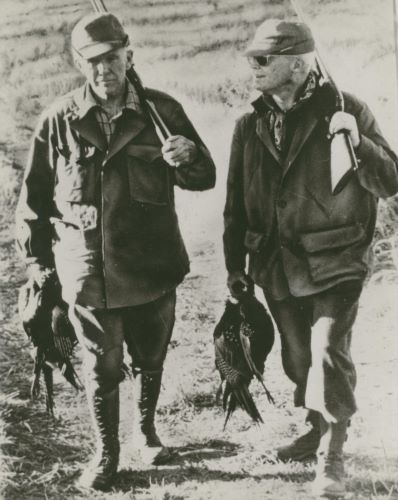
(364, 149)
(201, 152)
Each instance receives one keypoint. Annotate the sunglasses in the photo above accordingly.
(260, 60)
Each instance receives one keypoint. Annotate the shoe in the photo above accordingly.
(329, 476)
(145, 438)
(301, 449)
(101, 472)
(329, 473)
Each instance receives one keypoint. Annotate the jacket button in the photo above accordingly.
(282, 203)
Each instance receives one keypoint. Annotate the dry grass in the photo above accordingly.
(195, 47)
(41, 457)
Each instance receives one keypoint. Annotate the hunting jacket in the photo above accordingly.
(105, 216)
(286, 204)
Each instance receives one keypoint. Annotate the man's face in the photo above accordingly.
(272, 74)
(106, 73)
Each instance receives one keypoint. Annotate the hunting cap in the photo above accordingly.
(98, 33)
(278, 37)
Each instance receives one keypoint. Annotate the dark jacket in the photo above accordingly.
(106, 217)
(287, 204)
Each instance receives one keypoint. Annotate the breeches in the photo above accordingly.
(316, 340)
(146, 329)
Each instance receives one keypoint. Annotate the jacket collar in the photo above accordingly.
(264, 134)
(129, 125)
(82, 118)
(308, 121)
(311, 109)
(315, 110)
(85, 101)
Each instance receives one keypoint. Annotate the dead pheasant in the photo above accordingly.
(44, 318)
(243, 338)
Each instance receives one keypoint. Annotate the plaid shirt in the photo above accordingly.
(108, 123)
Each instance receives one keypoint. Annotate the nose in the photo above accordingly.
(103, 68)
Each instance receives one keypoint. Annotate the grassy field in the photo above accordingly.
(194, 51)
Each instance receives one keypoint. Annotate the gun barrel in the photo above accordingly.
(98, 5)
(320, 61)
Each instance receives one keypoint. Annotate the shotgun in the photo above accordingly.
(343, 161)
(148, 106)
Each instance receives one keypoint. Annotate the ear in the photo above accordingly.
(296, 65)
(129, 58)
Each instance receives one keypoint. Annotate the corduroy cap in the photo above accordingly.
(98, 33)
(278, 37)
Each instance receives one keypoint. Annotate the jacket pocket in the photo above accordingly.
(254, 240)
(148, 175)
(334, 252)
(75, 175)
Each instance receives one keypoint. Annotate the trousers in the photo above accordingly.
(145, 328)
(316, 333)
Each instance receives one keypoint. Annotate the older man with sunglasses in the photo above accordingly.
(308, 250)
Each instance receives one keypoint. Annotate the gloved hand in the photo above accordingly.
(238, 284)
(40, 274)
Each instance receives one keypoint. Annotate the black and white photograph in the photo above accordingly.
(198, 249)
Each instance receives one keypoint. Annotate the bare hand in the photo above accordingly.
(178, 150)
(342, 121)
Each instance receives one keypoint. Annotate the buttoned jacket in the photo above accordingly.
(105, 215)
(287, 203)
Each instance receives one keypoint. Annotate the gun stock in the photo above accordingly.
(343, 161)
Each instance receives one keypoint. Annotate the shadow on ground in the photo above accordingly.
(192, 463)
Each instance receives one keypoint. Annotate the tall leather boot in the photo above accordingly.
(329, 474)
(101, 471)
(146, 440)
(303, 448)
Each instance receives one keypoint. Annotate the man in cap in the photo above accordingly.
(97, 205)
(308, 249)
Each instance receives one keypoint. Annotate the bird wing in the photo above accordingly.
(64, 343)
(262, 330)
(247, 351)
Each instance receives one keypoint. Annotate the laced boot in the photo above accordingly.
(101, 471)
(304, 447)
(329, 475)
(146, 441)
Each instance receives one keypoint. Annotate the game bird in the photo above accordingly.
(243, 338)
(44, 318)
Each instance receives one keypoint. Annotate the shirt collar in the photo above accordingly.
(88, 101)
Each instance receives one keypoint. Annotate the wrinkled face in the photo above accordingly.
(274, 73)
(106, 73)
